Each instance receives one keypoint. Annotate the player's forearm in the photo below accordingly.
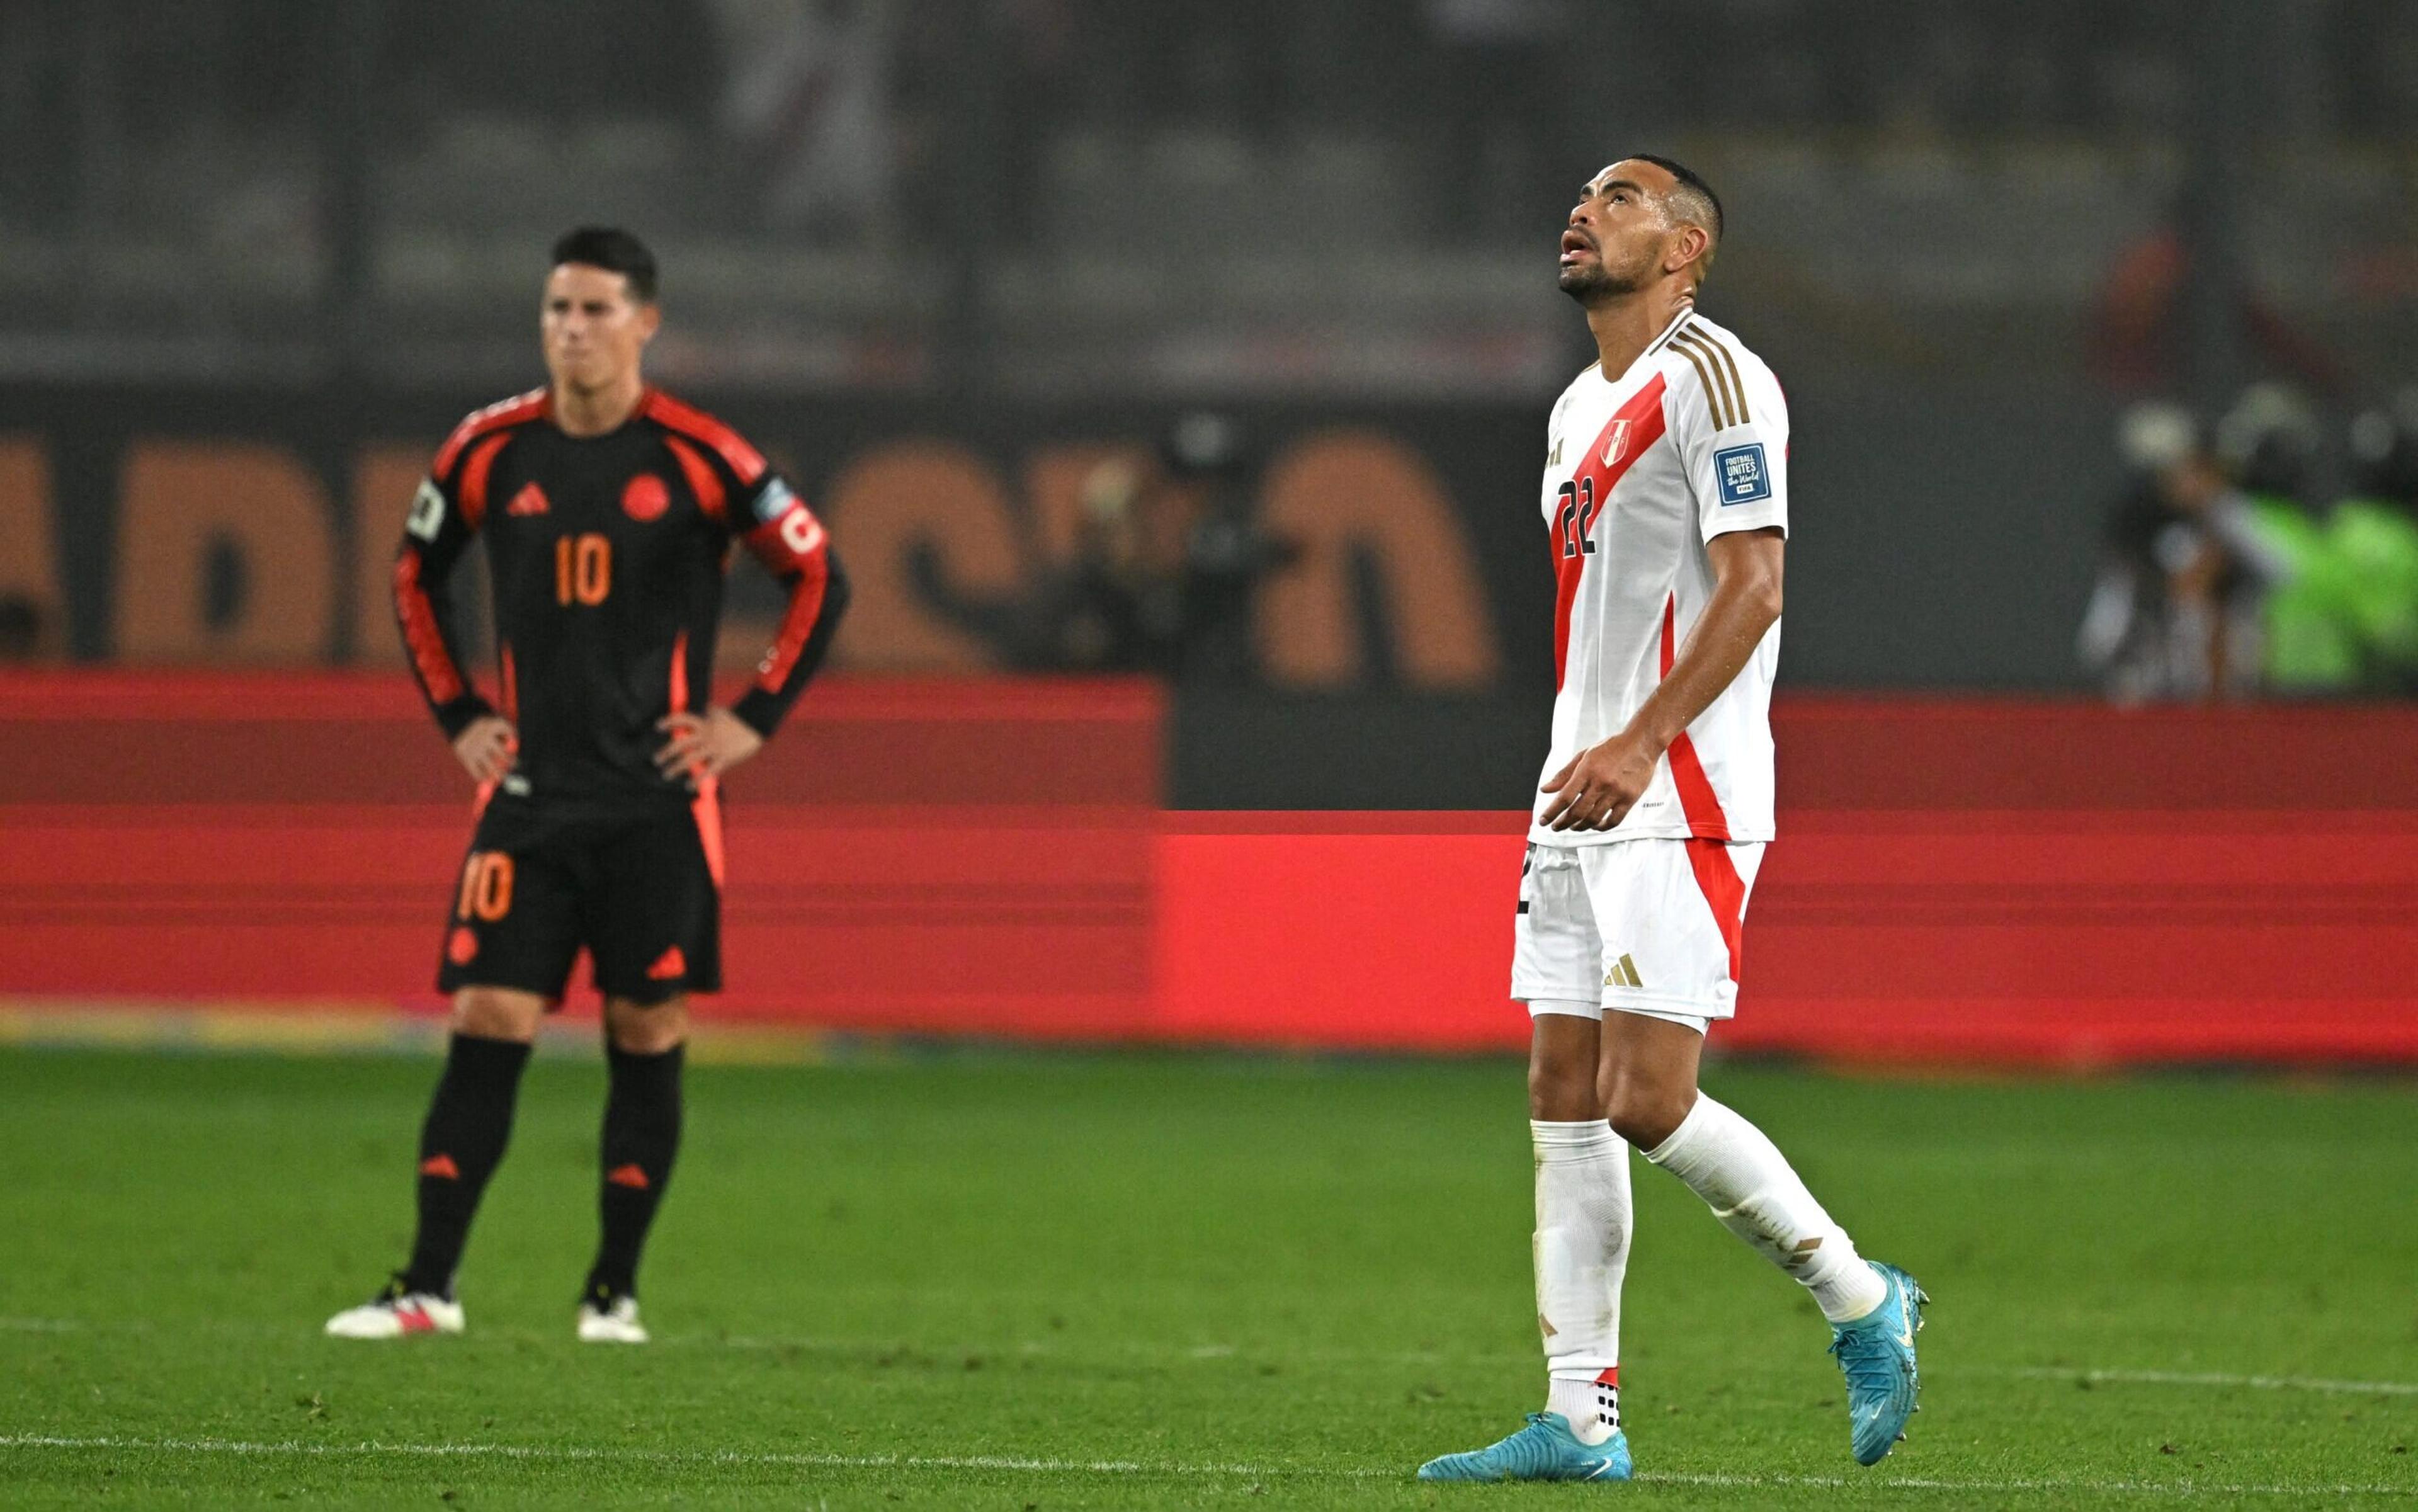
(1743, 608)
(818, 602)
(423, 612)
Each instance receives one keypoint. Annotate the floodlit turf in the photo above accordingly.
(1035, 1281)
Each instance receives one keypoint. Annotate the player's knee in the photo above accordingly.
(647, 1028)
(1646, 1112)
(497, 1013)
(1561, 1090)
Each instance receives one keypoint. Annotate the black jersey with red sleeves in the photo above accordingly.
(607, 553)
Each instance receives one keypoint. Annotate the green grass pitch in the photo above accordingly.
(1040, 1282)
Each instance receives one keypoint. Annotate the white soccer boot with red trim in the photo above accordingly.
(395, 1313)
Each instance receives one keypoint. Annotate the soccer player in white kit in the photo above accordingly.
(1666, 502)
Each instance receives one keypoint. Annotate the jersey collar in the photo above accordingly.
(1687, 313)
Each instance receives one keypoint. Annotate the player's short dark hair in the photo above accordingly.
(1691, 185)
(613, 249)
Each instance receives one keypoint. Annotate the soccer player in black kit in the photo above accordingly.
(609, 509)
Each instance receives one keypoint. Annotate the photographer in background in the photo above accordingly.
(1227, 556)
(2181, 606)
(2374, 534)
(2126, 637)
(2268, 443)
(1166, 568)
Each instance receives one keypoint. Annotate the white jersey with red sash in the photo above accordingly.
(1644, 469)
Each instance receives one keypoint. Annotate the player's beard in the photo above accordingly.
(1591, 283)
(1584, 282)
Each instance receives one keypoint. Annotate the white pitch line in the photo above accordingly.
(1927, 1483)
(2208, 1378)
(1131, 1466)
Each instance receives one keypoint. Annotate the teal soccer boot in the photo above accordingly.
(1544, 1450)
(1876, 1355)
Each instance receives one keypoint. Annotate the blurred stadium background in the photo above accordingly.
(1173, 376)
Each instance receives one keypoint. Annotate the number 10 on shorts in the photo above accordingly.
(486, 886)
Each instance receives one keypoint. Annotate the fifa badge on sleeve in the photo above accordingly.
(1740, 472)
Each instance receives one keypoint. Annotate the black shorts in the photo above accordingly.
(641, 892)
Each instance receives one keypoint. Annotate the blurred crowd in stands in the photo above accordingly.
(2252, 557)
(827, 109)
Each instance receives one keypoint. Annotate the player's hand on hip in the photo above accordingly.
(1596, 789)
(705, 745)
(487, 747)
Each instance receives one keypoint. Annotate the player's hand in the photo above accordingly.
(1596, 789)
(705, 745)
(487, 747)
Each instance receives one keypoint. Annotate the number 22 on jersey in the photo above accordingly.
(1576, 521)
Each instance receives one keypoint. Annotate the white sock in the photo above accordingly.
(1583, 1223)
(1751, 1187)
(1589, 1404)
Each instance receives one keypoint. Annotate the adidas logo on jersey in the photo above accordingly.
(530, 500)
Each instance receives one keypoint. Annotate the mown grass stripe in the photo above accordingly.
(2096, 1375)
(1172, 1469)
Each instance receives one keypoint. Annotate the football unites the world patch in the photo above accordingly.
(1740, 472)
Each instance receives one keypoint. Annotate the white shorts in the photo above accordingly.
(1643, 927)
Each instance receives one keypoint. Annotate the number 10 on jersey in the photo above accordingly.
(1576, 519)
(583, 569)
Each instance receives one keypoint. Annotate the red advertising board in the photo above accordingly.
(2014, 881)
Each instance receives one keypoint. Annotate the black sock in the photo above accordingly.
(642, 1130)
(469, 1120)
